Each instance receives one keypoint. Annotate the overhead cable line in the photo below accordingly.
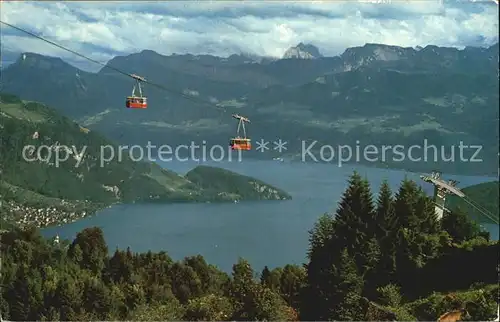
(483, 211)
(188, 97)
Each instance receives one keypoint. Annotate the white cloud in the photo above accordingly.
(102, 29)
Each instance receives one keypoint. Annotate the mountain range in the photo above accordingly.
(373, 94)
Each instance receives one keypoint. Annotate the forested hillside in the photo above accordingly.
(387, 259)
(91, 172)
(217, 179)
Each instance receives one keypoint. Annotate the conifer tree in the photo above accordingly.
(405, 205)
(355, 214)
(120, 267)
(96, 297)
(348, 304)
(355, 221)
(351, 229)
(263, 304)
(186, 284)
(202, 270)
(314, 303)
(272, 278)
(405, 251)
(386, 232)
(18, 295)
(292, 281)
(319, 294)
(371, 254)
(242, 285)
(93, 249)
(265, 276)
(321, 234)
(36, 305)
(385, 216)
(243, 275)
(459, 226)
(428, 219)
(134, 296)
(68, 298)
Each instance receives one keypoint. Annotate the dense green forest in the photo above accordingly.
(384, 259)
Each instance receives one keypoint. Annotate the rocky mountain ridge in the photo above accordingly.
(302, 51)
(368, 93)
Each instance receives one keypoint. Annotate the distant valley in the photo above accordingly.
(374, 94)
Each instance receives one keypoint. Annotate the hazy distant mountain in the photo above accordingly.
(375, 93)
(429, 59)
(8, 57)
(302, 51)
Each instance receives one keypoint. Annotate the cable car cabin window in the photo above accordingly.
(240, 141)
(240, 144)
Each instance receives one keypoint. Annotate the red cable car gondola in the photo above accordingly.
(137, 101)
(238, 142)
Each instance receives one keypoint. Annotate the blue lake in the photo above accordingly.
(272, 233)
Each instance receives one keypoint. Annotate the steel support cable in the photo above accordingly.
(479, 206)
(487, 214)
(188, 97)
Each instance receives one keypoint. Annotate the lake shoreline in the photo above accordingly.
(92, 211)
(266, 233)
(401, 168)
(414, 167)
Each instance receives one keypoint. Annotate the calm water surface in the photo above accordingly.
(272, 233)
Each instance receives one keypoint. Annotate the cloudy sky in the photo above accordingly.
(105, 29)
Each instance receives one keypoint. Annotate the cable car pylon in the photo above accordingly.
(443, 188)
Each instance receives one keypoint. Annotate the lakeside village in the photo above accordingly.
(66, 212)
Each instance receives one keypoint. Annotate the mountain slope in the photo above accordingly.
(47, 161)
(374, 94)
(430, 59)
(302, 51)
(83, 175)
(217, 179)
